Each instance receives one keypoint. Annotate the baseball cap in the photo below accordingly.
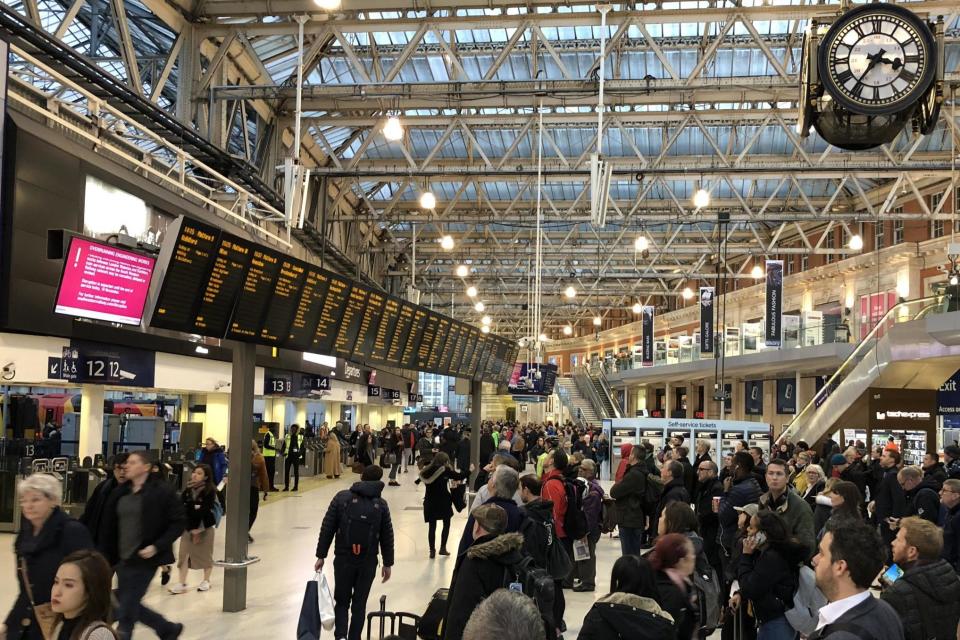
(838, 459)
(750, 509)
(492, 517)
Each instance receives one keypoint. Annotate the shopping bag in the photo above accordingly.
(308, 627)
(458, 494)
(327, 616)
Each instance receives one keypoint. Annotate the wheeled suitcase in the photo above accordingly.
(431, 622)
(402, 624)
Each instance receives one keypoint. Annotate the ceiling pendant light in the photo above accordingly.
(479, 307)
(484, 329)
(637, 307)
(446, 242)
(485, 320)
(701, 198)
(641, 243)
(597, 320)
(393, 130)
(570, 292)
(327, 5)
(471, 291)
(428, 200)
(856, 242)
(542, 337)
(757, 272)
(687, 293)
(463, 271)
(568, 330)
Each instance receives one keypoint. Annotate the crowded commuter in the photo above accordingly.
(703, 453)
(921, 498)
(331, 453)
(553, 488)
(259, 483)
(481, 568)
(814, 482)
(437, 502)
(540, 540)
(505, 614)
(357, 524)
(213, 456)
(269, 446)
(293, 453)
(674, 489)
(933, 470)
(631, 610)
(759, 467)
(951, 461)
(47, 535)
(503, 485)
(845, 503)
(674, 559)
(392, 443)
(741, 489)
(196, 543)
(709, 488)
(80, 598)
(585, 571)
(630, 493)
(93, 513)
(796, 513)
(485, 489)
(927, 595)
(950, 522)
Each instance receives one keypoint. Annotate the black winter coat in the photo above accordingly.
(60, 536)
(708, 520)
(629, 494)
(161, 524)
(199, 510)
(937, 473)
(624, 616)
(673, 491)
(538, 516)
(923, 501)
(437, 503)
(678, 604)
(363, 490)
(768, 579)
(890, 501)
(951, 538)
(743, 492)
(927, 597)
(480, 570)
(92, 517)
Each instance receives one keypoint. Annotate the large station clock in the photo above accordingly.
(877, 59)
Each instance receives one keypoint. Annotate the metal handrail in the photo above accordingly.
(587, 389)
(617, 413)
(868, 343)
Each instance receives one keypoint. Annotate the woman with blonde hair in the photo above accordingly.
(331, 453)
(815, 483)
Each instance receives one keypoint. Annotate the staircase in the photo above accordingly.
(580, 407)
(604, 396)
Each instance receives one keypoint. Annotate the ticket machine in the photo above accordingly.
(760, 439)
(654, 437)
(707, 435)
(687, 441)
(729, 440)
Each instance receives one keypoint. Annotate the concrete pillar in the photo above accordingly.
(693, 394)
(667, 399)
(331, 411)
(476, 400)
(300, 412)
(770, 404)
(216, 425)
(91, 421)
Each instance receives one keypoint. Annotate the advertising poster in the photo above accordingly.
(773, 327)
(706, 319)
(753, 398)
(786, 396)
(648, 312)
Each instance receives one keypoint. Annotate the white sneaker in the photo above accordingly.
(178, 588)
(204, 586)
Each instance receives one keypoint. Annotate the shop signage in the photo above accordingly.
(773, 322)
(647, 325)
(905, 415)
(349, 372)
(753, 397)
(948, 396)
(95, 363)
(786, 396)
(706, 319)
(292, 383)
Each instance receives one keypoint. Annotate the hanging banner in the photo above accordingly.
(773, 327)
(706, 319)
(753, 397)
(648, 335)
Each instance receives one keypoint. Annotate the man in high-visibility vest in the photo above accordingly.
(270, 456)
(293, 455)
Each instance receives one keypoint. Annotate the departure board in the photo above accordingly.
(258, 289)
(338, 289)
(183, 267)
(285, 301)
(417, 349)
(479, 372)
(429, 336)
(350, 320)
(369, 322)
(386, 332)
(227, 275)
(402, 336)
(467, 365)
(510, 359)
(307, 313)
(439, 344)
(455, 345)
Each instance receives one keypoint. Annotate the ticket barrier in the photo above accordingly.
(312, 458)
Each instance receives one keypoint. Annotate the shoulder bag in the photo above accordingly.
(46, 618)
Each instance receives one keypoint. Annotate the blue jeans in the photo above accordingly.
(631, 540)
(776, 629)
(133, 579)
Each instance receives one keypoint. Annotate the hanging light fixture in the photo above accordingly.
(641, 243)
(542, 337)
(757, 272)
(393, 129)
(446, 242)
(568, 330)
(428, 200)
(701, 198)
(597, 320)
(687, 293)
(637, 307)
(570, 292)
(856, 242)
(327, 5)
(479, 307)
(471, 291)
(463, 271)
(485, 320)
(484, 329)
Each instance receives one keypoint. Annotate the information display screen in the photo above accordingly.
(425, 352)
(450, 356)
(468, 364)
(228, 272)
(439, 344)
(338, 290)
(369, 322)
(258, 288)
(479, 372)
(386, 332)
(350, 320)
(306, 316)
(458, 348)
(417, 349)
(186, 263)
(398, 353)
(104, 282)
(283, 305)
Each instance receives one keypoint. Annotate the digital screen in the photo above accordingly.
(449, 355)
(386, 332)
(104, 282)
(483, 352)
(369, 323)
(228, 271)
(350, 320)
(425, 349)
(187, 262)
(533, 379)
(414, 352)
(468, 364)
(439, 344)
(338, 289)
(285, 301)
(459, 349)
(307, 313)
(401, 336)
(255, 295)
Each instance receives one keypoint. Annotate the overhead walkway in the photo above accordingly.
(916, 345)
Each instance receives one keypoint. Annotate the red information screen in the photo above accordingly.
(104, 282)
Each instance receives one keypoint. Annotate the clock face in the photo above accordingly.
(877, 59)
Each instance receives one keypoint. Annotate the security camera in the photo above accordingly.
(9, 371)
(221, 384)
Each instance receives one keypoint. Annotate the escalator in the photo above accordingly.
(915, 345)
(606, 399)
(595, 389)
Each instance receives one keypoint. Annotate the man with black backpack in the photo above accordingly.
(637, 496)
(360, 520)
